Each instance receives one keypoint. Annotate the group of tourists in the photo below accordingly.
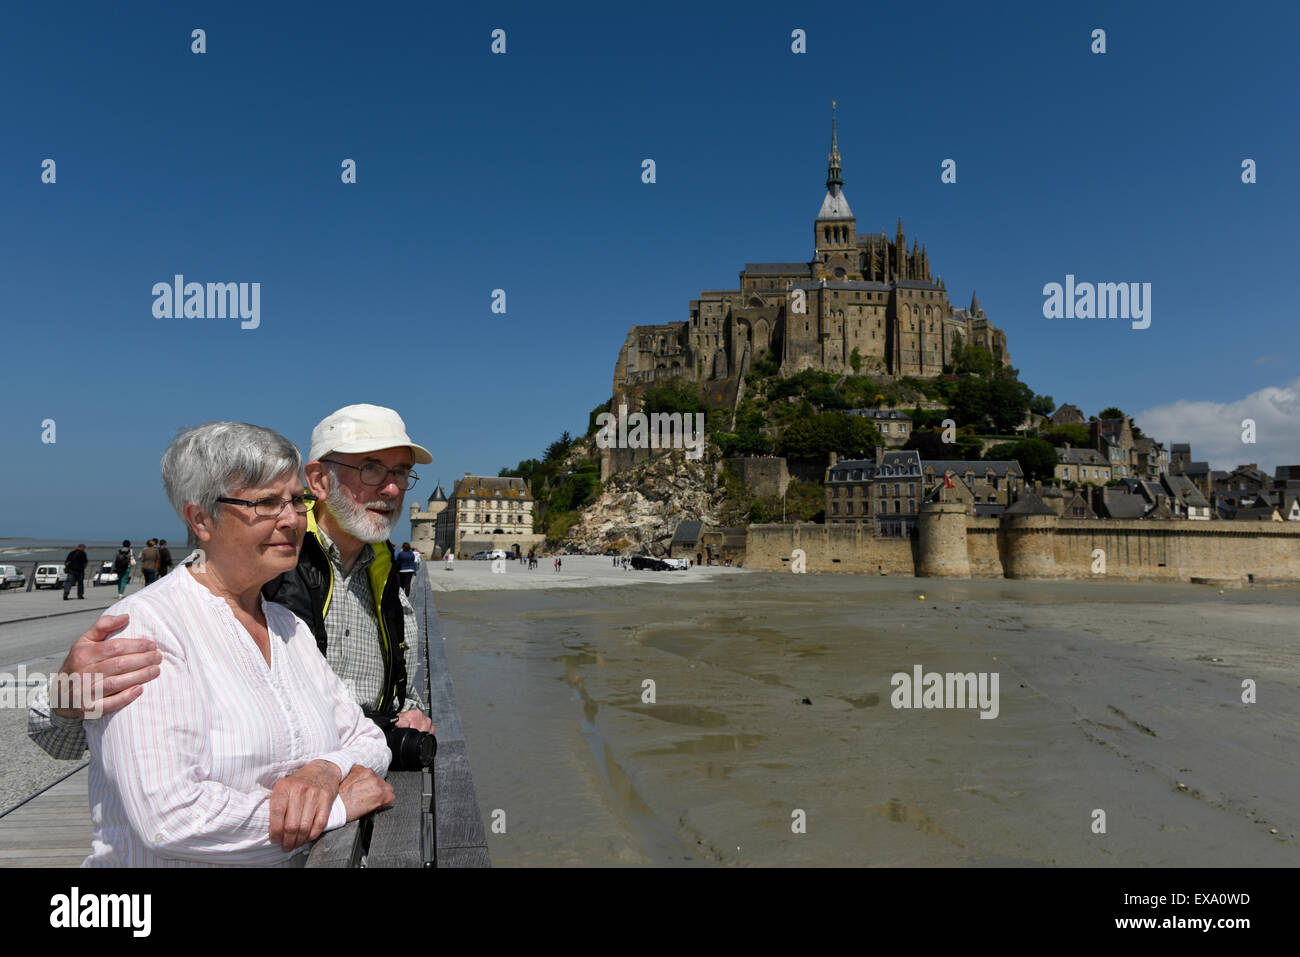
(155, 561)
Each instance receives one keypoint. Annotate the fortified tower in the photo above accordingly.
(1029, 536)
(941, 546)
(424, 523)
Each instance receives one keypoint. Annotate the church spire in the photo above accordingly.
(834, 180)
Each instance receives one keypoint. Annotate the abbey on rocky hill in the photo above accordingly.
(859, 291)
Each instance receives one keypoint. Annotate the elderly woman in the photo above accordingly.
(246, 747)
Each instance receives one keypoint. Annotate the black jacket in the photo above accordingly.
(306, 591)
(76, 561)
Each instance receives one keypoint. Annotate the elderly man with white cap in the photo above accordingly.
(346, 586)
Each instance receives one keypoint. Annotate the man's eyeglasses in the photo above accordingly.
(372, 473)
(272, 507)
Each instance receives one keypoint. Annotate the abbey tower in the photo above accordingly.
(859, 291)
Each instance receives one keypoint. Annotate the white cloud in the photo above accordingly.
(1214, 428)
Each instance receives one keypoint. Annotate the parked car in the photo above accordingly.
(651, 564)
(105, 575)
(11, 577)
(488, 555)
(679, 564)
(50, 576)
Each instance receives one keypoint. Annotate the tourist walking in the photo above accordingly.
(75, 566)
(406, 567)
(164, 558)
(122, 564)
(149, 562)
(449, 559)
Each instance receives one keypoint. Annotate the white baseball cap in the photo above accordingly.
(363, 428)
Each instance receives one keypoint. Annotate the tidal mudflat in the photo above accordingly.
(773, 694)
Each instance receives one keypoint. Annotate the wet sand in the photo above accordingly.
(1116, 696)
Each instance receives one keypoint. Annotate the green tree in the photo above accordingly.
(975, 360)
(673, 395)
(591, 418)
(965, 445)
(1072, 432)
(826, 397)
(812, 438)
(855, 360)
(1009, 401)
(558, 449)
(1042, 405)
(1037, 458)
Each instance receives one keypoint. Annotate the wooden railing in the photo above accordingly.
(435, 821)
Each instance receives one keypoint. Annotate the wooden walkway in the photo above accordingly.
(51, 829)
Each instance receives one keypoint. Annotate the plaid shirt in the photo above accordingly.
(352, 626)
(353, 653)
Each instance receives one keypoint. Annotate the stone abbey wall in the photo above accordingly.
(765, 475)
(1180, 550)
(1040, 546)
(829, 548)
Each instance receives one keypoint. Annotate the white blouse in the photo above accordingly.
(182, 776)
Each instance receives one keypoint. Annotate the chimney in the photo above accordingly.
(1067, 446)
(834, 458)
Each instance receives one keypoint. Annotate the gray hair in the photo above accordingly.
(206, 462)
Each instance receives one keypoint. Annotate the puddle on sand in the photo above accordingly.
(901, 813)
(707, 744)
(863, 701)
(690, 714)
(655, 836)
(683, 646)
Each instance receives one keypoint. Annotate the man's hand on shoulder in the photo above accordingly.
(124, 665)
(414, 719)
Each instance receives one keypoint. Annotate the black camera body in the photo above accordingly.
(412, 750)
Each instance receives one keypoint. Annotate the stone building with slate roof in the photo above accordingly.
(860, 291)
(486, 512)
(895, 425)
(1068, 415)
(886, 493)
(1085, 466)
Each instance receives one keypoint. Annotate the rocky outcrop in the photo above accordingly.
(639, 509)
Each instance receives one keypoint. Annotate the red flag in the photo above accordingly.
(947, 481)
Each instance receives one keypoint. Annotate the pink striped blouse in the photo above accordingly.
(182, 776)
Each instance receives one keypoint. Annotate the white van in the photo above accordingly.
(11, 577)
(50, 576)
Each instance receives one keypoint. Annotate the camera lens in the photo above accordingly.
(412, 750)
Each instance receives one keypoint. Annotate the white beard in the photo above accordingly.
(356, 521)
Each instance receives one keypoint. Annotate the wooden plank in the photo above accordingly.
(338, 848)
(458, 820)
(52, 829)
(463, 857)
(395, 841)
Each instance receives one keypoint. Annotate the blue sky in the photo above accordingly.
(523, 172)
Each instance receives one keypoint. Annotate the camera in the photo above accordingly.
(412, 750)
